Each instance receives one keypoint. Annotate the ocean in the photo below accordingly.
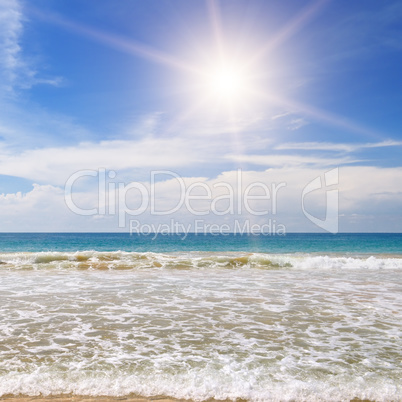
(300, 317)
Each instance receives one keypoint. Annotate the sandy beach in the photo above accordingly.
(75, 398)
(67, 398)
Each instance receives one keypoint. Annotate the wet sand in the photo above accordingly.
(75, 398)
(67, 398)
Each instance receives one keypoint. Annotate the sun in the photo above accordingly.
(226, 82)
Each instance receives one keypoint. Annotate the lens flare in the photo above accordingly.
(226, 82)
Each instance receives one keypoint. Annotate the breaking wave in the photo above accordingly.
(120, 260)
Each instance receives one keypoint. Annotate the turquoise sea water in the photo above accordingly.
(301, 317)
(348, 243)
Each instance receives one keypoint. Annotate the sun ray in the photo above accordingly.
(117, 42)
(318, 114)
(289, 29)
(214, 16)
(226, 84)
(186, 114)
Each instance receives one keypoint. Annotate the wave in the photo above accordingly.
(200, 385)
(120, 260)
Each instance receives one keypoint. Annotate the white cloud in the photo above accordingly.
(297, 123)
(291, 160)
(336, 147)
(15, 71)
(280, 115)
(55, 165)
(369, 199)
(41, 209)
(10, 50)
(290, 120)
(35, 127)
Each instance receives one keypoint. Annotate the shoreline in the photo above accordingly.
(134, 398)
(83, 398)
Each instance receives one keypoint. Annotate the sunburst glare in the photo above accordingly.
(226, 82)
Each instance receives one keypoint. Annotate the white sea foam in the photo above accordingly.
(201, 325)
(195, 260)
(200, 385)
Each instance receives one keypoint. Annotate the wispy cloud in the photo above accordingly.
(336, 147)
(292, 122)
(297, 123)
(291, 160)
(55, 164)
(280, 115)
(376, 30)
(15, 71)
(35, 127)
(148, 148)
(10, 50)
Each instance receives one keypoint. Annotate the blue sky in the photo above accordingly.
(126, 86)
